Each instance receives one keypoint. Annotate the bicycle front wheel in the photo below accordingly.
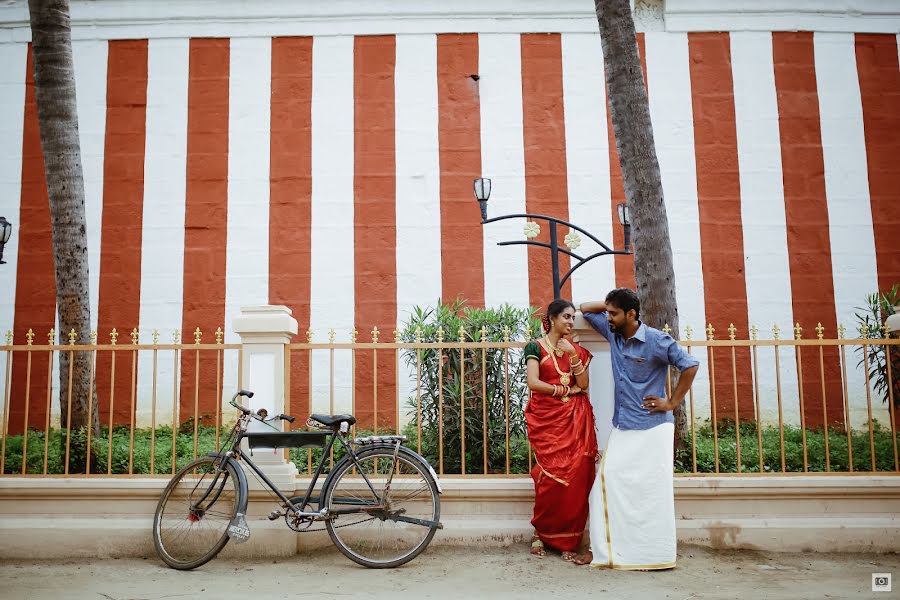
(389, 527)
(190, 526)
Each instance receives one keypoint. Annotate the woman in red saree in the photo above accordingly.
(561, 432)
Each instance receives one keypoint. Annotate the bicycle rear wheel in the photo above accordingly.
(389, 534)
(190, 526)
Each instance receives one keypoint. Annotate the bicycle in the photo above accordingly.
(380, 504)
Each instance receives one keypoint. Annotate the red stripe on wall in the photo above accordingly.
(205, 218)
(719, 196)
(459, 140)
(879, 84)
(35, 278)
(375, 232)
(290, 196)
(624, 264)
(806, 213)
(546, 186)
(119, 301)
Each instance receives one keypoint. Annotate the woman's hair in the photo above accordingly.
(556, 307)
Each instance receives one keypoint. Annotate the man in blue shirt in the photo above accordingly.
(632, 508)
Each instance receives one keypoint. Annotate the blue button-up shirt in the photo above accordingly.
(639, 366)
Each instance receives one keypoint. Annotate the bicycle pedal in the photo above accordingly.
(275, 514)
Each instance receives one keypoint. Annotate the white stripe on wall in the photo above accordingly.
(13, 57)
(850, 230)
(766, 263)
(587, 159)
(162, 245)
(671, 110)
(503, 161)
(247, 249)
(90, 88)
(418, 187)
(418, 174)
(332, 286)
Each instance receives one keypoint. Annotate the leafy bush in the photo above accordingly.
(869, 322)
(452, 386)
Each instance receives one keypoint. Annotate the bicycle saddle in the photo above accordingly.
(332, 420)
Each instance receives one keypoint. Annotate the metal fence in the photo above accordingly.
(761, 406)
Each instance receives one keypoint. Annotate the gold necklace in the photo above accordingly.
(553, 348)
(564, 377)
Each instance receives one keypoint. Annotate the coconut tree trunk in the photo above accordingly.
(630, 110)
(54, 78)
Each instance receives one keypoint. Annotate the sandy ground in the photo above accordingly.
(459, 573)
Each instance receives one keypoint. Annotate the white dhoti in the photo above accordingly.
(632, 503)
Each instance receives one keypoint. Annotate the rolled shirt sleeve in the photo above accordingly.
(599, 322)
(675, 355)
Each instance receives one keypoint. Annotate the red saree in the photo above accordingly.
(564, 442)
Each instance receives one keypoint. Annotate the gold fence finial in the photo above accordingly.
(309, 336)
(506, 334)
(51, 337)
(375, 335)
(354, 335)
(396, 335)
(331, 335)
(462, 333)
(483, 334)
(440, 334)
(418, 334)
(864, 330)
(9, 337)
(798, 331)
(72, 336)
(155, 337)
(710, 332)
(688, 332)
(29, 337)
(732, 331)
(527, 330)
(176, 337)
(93, 337)
(666, 329)
(113, 336)
(219, 335)
(775, 331)
(197, 335)
(820, 331)
(135, 336)
(754, 332)
(841, 331)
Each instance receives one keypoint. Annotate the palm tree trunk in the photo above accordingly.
(54, 78)
(630, 110)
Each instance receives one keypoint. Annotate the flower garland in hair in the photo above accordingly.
(545, 323)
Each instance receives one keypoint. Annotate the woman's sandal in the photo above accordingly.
(584, 559)
(537, 547)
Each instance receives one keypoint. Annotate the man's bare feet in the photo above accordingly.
(537, 547)
(584, 559)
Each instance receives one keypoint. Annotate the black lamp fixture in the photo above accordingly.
(572, 239)
(625, 222)
(482, 194)
(5, 233)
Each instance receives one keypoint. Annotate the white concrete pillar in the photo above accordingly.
(601, 388)
(264, 332)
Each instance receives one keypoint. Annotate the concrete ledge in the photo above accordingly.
(108, 517)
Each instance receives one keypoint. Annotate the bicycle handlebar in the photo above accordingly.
(262, 412)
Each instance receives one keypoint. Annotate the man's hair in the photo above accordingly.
(625, 299)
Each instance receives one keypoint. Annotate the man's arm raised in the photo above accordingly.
(596, 306)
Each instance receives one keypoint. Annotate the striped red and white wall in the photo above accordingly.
(333, 174)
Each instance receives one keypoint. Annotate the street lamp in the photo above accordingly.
(625, 222)
(5, 233)
(571, 241)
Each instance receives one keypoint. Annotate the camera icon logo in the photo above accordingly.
(881, 582)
